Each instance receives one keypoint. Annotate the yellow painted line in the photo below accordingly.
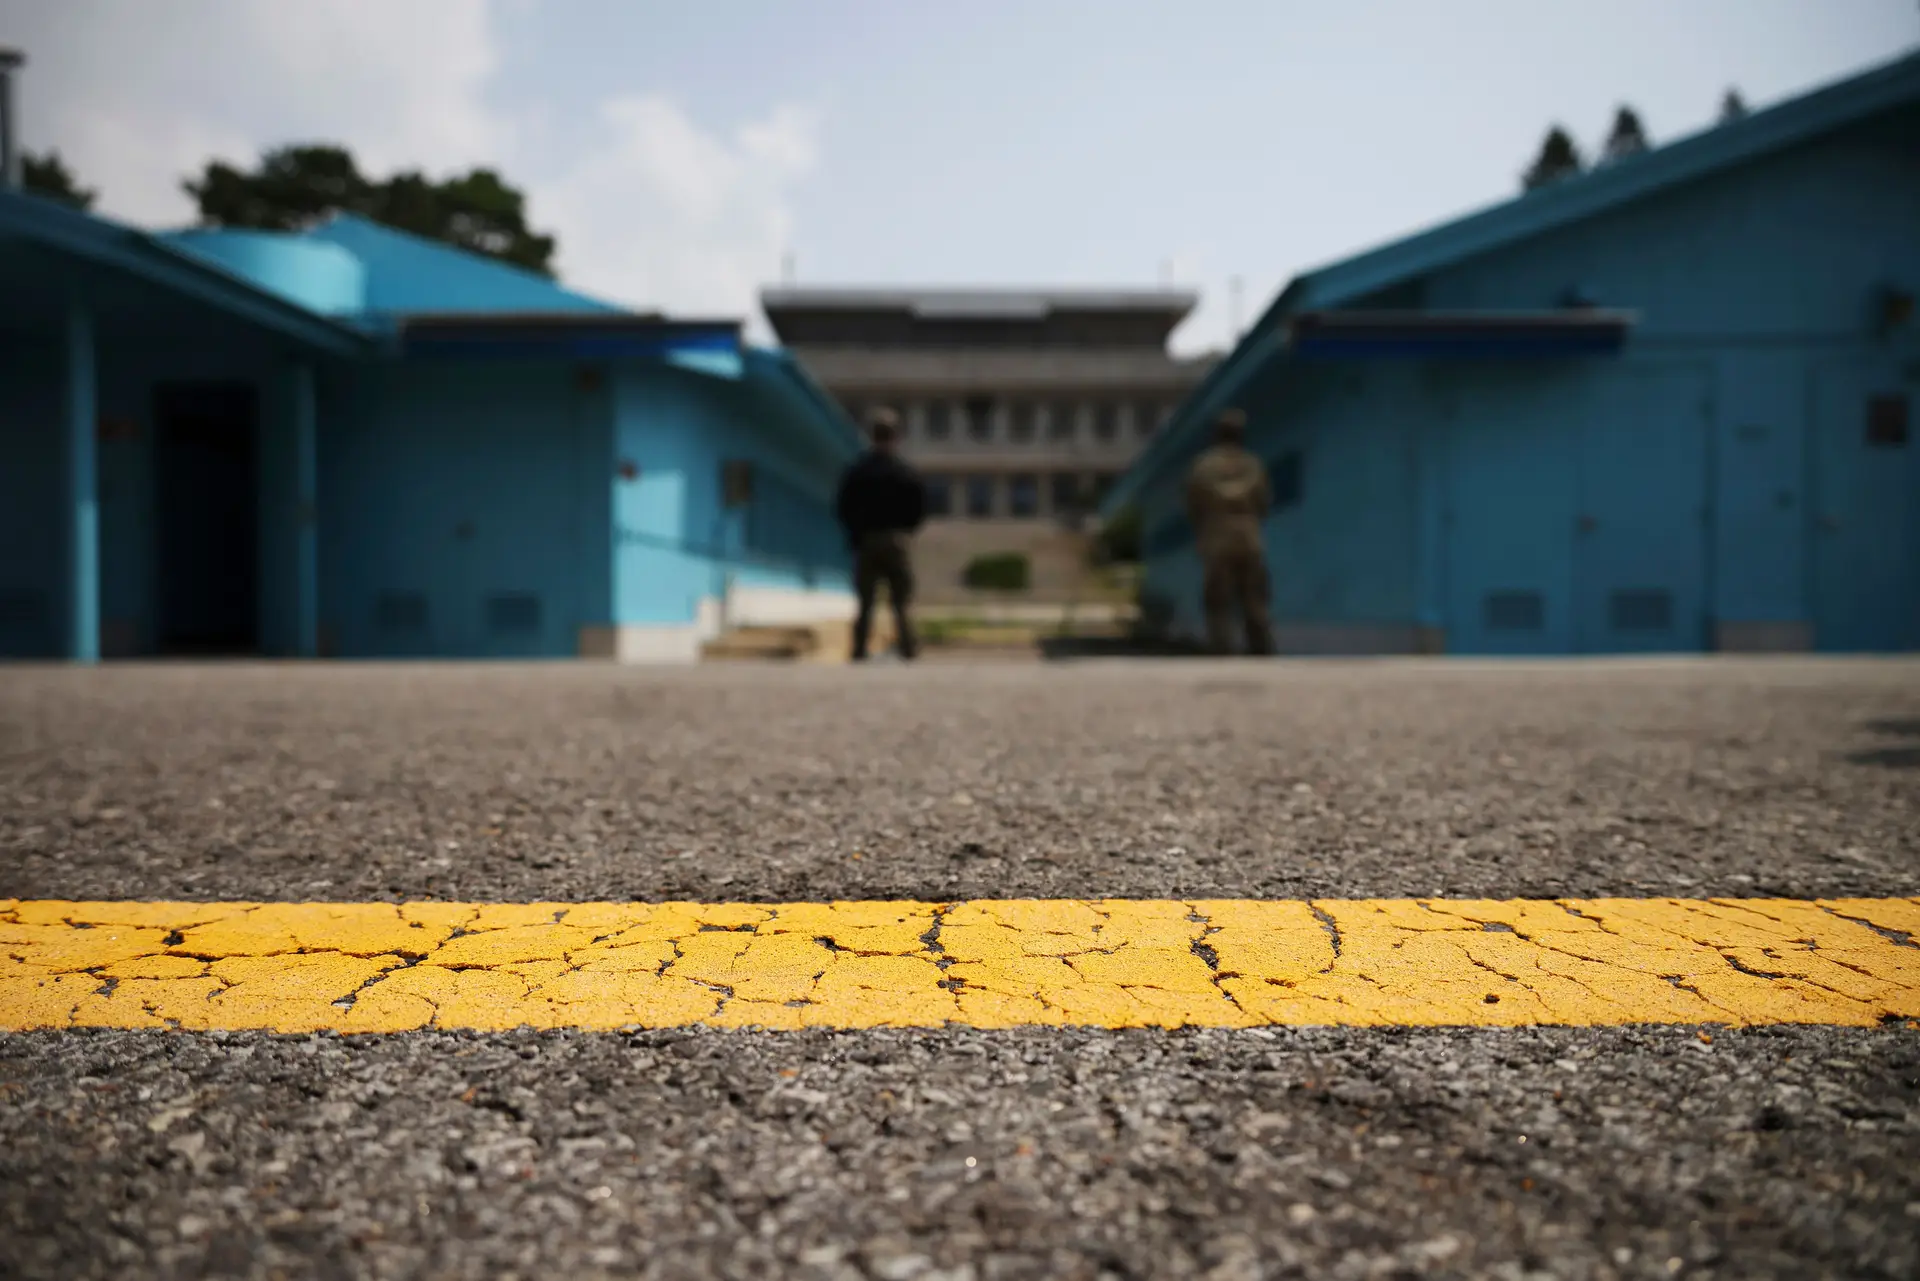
(383, 967)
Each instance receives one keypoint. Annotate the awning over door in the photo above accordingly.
(709, 347)
(1458, 335)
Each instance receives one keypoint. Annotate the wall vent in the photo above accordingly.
(1514, 612)
(1641, 610)
(400, 611)
(23, 607)
(513, 612)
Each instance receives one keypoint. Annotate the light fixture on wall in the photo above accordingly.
(629, 470)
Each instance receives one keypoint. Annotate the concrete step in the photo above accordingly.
(822, 642)
(761, 644)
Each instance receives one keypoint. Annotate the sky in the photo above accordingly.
(687, 154)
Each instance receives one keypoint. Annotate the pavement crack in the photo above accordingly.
(932, 936)
(668, 963)
(1210, 956)
(1730, 959)
(1899, 938)
(348, 1001)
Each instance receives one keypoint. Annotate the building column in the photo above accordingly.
(81, 420)
(306, 512)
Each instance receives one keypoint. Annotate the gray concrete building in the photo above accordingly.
(1020, 406)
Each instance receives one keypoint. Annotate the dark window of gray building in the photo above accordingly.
(1106, 422)
(1147, 416)
(939, 420)
(1023, 496)
(1102, 483)
(980, 419)
(1022, 424)
(1066, 492)
(1062, 417)
(979, 496)
(939, 495)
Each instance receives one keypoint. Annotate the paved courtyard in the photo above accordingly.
(1633, 1150)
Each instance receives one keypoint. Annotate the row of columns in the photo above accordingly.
(81, 417)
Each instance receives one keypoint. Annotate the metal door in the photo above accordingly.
(1640, 535)
(1865, 565)
(1510, 502)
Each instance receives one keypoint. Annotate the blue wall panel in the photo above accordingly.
(678, 544)
(452, 514)
(1511, 503)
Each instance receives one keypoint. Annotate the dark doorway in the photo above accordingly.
(207, 442)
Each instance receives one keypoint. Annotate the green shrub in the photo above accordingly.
(998, 572)
(1118, 542)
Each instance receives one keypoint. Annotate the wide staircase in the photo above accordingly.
(824, 642)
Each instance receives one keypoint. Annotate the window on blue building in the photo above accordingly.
(1887, 421)
(1285, 478)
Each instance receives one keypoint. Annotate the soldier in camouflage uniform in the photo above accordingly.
(1227, 499)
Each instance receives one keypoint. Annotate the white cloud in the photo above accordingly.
(663, 213)
(652, 210)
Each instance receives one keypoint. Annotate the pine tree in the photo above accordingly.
(1559, 158)
(1629, 137)
(49, 176)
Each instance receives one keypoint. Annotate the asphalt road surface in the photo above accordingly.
(962, 1153)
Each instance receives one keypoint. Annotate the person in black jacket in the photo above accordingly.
(882, 503)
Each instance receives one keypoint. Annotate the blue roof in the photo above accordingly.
(149, 257)
(408, 273)
(1531, 214)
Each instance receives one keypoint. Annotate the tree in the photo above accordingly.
(1628, 138)
(1732, 107)
(1559, 158)
(49, 176)
(298, 186)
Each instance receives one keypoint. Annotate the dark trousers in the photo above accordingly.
(1237, 577)
(882, 559)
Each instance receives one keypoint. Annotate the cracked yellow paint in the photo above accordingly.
(382, 967)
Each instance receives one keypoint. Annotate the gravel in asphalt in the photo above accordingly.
(1762, 1152)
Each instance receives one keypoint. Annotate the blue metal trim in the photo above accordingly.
(836, 431)
(1461, 347)
(96, 240)
(563, 345)
(83, 498)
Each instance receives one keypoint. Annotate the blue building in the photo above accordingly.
(1662, 406)
(355, 442)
